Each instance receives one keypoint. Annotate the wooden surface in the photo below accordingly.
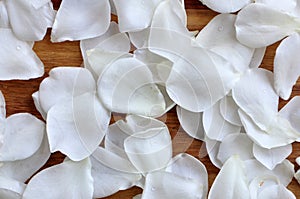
(18, 93)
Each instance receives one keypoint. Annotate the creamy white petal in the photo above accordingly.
(111, 40)
(149, 150)
(271, 157)
(36, 99)
(135, 15)
(224, 6)
(169, 38)
(10, 188)
(291, 111)
(235, 144)
(259, 25)
(283, 171)
(219, 36)
(63, 84)
(198, 75)
(66, 180)
(30, 23)
(122, 129)
(215, 126)
(258, 99)
(140, 38)
(229, 110)
(17, 59)
(261, 182)
(158, 65)
(79, 19)
(187, 166)
(278, 133)
(98, 60)
(22, 170)
(107, 174)
(127, 86)
(231, 182)
(257, 57)
(287, 6)
(191, 123)
(287, 66)
(76, 128)
(24, 134)
(276, 191)
(169, 186)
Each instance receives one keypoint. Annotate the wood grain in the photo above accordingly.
(18, 94)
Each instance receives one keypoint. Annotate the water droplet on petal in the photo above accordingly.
(220, 28)
(153, 188)
(18, 47)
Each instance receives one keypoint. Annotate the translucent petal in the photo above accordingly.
(279, 133)
(4, 19)
(66, 180)
(229, 110)
(36, 99)
(77, 128)
(287, 66)
(191, 123)
(224, 6)
(178, 187)
(149, 150)
(2, 107)
(23, 169)
(257, 57)
(10, 188)
(79, 19)
(276, 191)
(215, 126)
(271, 157)
(19, 129)
(63, 84)
(235, 144)
(28, 22)
(187, 166)
(297, 176)
(140, 38)
(231, 182)
(135, 15)
(219, 36)
(259, 25)
(17, 59)
(283, 171)
(291, 112)
(258, 99)
(212, 149)
(109, 178)
(127, 86)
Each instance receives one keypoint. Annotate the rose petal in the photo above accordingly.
(225, 6)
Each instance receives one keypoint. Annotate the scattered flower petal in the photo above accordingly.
(77, 20)
(224, 6)
(271, 157)
(287, 66)
(10, 188)
(231, 182)
(66, 180)
(229, 110)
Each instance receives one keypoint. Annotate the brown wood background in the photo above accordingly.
(18, 93)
